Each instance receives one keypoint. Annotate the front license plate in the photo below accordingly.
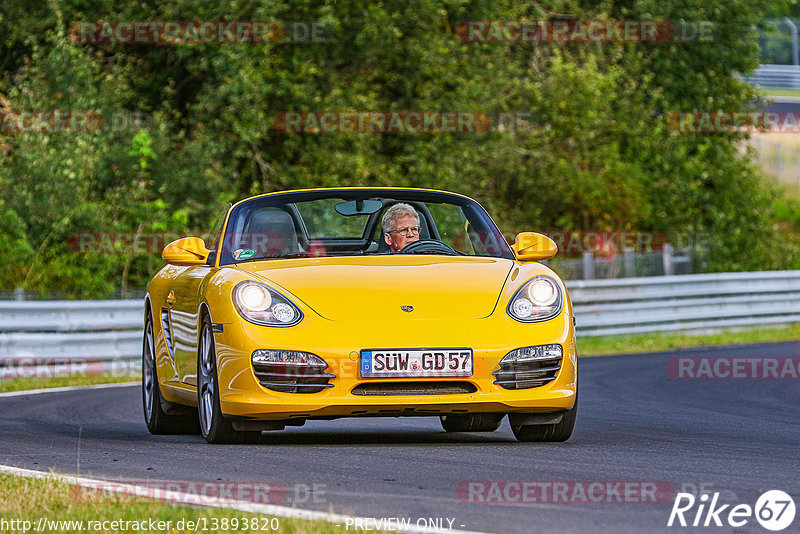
(391, 363)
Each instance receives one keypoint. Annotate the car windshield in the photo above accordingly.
(350, 223)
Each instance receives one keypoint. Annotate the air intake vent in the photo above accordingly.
(528, 374)
(415, 388)
(167, 328)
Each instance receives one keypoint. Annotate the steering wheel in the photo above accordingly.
(422, 246)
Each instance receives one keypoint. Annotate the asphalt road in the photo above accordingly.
(784, 104)
(739, 437)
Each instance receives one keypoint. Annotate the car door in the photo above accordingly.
(183, 301)
(184, 320)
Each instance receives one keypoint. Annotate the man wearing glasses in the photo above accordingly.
(400, 226)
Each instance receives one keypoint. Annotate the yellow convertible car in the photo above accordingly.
(358, 302)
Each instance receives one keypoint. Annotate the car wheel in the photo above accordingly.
(161, 416)
(560, 431)
(479, 422)
(213, 426)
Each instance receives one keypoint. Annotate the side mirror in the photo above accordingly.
(530, 246)
(186, 251)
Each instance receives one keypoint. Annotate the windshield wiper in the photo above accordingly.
(277, 256)
(440, 252)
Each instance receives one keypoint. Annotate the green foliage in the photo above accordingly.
(189, 128)
(788, 211)
(141, 147)
(15, 251)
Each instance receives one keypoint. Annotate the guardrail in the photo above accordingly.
(110, 331)
(68, 338)
(777, 76)
(690, 302)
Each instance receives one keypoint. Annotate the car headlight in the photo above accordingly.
(287, 358)
(539, 299)
(260, 304)
(533, 354)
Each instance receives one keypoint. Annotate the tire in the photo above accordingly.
(479, 422)
(560, 431)
(160, 415)
(213, 426)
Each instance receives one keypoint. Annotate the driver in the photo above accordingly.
(400, 226)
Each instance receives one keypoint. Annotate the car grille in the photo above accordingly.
(414, 388)
(289, 378)
(529, 374)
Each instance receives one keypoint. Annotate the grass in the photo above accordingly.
(781, 92)
(30, 499)
(778, 155)
(19, 384)
(662, 341)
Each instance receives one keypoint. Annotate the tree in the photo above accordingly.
(579, 141)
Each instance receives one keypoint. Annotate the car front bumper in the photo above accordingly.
(339, 344)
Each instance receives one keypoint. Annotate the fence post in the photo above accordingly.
(793, 30)
(19, 294)
(588, 265)
(666, 255)
(797, 166)
(630, 266)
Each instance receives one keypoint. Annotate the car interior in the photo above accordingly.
(281, 231)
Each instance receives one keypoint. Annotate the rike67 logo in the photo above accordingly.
(774, 510)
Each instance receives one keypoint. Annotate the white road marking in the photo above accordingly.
(67, 388)
(187, 498)
(191, 499)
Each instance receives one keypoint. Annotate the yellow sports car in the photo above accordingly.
(358, 302)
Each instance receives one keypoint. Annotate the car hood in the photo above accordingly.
(376, 287)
